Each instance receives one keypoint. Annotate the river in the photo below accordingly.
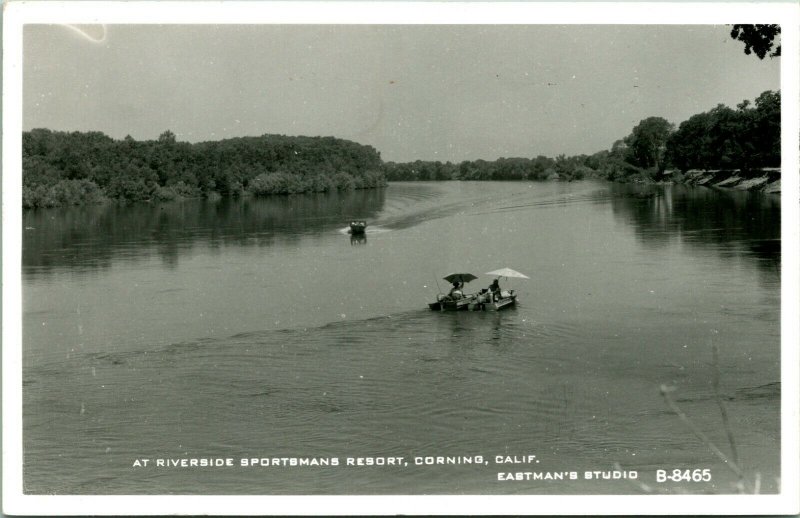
(257, 328)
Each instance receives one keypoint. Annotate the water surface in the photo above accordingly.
(244, 328)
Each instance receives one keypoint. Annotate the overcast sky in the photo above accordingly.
(413, 92)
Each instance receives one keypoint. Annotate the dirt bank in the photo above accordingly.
(767, 180)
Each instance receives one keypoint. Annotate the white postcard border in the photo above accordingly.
(17, 14)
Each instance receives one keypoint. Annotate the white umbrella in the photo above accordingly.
(508, 272)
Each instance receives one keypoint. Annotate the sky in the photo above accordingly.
(427, 92)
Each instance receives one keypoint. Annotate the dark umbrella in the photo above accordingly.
(460, 277)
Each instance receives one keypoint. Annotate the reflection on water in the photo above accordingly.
(358, 239)
(92, 237)
(734, 222)
(259, 327)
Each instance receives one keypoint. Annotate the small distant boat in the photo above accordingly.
(358, 227)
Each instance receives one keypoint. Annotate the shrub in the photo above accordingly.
(374, 179)
(322, 183)
(185, 190)
(129, 189)
(165, 194)
(62, 193)
(296, 184)
(176, 191)
(343, 181)
(268, 183)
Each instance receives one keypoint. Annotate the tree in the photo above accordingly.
(759, 39)
(647, 143)
(767, 128)
(167, 137)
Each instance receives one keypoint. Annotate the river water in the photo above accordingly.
(257, 328)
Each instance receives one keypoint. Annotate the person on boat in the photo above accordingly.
(455, 291)
(495, 289)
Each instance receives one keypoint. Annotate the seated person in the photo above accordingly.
(455, 291)
(495, 289)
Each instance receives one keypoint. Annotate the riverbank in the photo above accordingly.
(766, 180)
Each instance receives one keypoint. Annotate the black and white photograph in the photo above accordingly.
(450, 254)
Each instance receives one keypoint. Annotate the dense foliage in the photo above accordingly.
(62, 168)
(723, 138)
(760, 39)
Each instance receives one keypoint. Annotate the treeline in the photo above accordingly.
(539, 168)
(746, 138)
(61, 168)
